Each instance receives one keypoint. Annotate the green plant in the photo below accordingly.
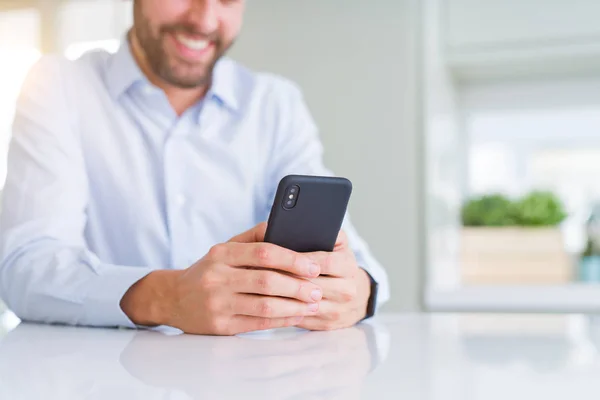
(540, 209)
(537, 208)
(488, 210)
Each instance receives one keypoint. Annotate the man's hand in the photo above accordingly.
(239, 286)
(346, 289)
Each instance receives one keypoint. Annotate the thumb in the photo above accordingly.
(341, 242)
(254, 235)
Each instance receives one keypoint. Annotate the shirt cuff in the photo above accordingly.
(102, 305)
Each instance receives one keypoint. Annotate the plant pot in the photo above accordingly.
(589, 269)
(504, 256)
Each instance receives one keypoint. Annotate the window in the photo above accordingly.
(549, 139)
(92, 24)
(76, 50)
(520, 136)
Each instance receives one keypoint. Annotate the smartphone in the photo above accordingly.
(308, 212)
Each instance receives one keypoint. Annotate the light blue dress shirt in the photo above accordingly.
(106, 183)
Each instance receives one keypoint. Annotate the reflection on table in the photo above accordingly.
(52, 362)
(416, 357)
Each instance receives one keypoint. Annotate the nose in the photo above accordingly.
(204, 14)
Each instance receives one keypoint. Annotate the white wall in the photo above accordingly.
(521, 39)
(506, 23)
(358, 64)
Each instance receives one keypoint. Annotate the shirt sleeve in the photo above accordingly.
(47, 273)
(298, 150)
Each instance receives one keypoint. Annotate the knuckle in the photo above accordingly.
(264, 308)
(210, 279)
(219, 326)
(335, 315)
(263, 253)
(328, 325)
(348, 294)
(218, 251)
(264, 282)
(264, 323)
(332, 316)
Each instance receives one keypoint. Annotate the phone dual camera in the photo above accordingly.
(291, 197)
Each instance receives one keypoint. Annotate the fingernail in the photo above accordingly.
(314, 307)
(316, 295)
(297, 320)
(314, 269)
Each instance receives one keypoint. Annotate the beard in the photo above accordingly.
(169, 67)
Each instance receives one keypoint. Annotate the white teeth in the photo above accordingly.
(191, 43)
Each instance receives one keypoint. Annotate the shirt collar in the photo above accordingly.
(123, 72)
(224, 83)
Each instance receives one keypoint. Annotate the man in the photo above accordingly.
(126, 169)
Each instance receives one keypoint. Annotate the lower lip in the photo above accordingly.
(191, 54)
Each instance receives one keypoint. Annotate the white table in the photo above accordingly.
(466, 357)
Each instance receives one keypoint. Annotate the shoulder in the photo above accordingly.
(94, 61)
(44, 83)
(45, 73)
(55, 73)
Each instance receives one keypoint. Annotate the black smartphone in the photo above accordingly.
(308, 212)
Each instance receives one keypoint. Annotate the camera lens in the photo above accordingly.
(291, 197)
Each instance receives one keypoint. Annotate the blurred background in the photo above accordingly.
(470, 128)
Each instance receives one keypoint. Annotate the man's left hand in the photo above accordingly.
(346, 289)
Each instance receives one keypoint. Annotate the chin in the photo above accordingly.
(183, 84)
(188, 81)
(191, 77)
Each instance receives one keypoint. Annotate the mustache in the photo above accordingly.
(190, 30)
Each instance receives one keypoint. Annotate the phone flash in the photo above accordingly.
(291, 196)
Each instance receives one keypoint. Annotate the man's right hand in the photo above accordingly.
(239, 286)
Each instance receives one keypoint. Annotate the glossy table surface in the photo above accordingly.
(429, 357)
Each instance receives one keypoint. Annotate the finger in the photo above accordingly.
(245, 323)
(270, 283)
(341, 241)
(331, 316)
(338, 290)
(265, 255)
(338, 263)
(319, 324)
(271, 307)
(254, 235)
